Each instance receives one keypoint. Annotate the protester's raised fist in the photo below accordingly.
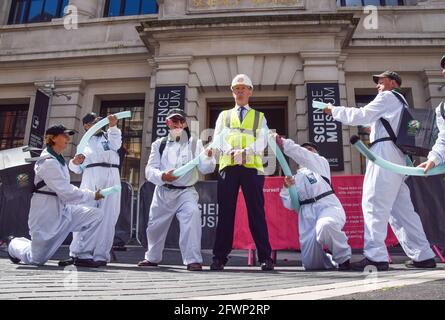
(112, 119)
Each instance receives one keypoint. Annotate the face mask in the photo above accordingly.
(176, 133)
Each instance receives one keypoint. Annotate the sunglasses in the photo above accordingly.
(177, 119)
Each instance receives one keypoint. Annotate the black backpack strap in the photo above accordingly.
(326, 179)
(400, 97)
(319, 197)
(388, 129)
(162, 146)
(392, 136)
(39, 186)
(329, 182)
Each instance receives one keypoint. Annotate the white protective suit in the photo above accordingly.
(386, 197)
(320, 223)
(52, 218)
(437, 155)
(168, 203)
(100, 149)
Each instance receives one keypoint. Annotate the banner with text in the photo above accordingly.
(323, 130)
(38, 122)
(166, 98)
(283, 224)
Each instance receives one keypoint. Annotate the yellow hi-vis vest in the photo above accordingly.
(241, 136)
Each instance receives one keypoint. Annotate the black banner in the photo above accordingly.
(207, 203)
(166, 98)
(323, 130)
(38, 122)
(14, 210)
(17, 181)
(427, 196)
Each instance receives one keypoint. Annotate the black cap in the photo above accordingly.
(388, 74)
(310, 144)
(176, 113)
(442, 62)
(89, 118)
(58, 129)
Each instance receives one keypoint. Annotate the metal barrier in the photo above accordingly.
(124, 225)
(145, 193)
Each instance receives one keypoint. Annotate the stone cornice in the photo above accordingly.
(80, 83)
(226, 26)
(246, 21)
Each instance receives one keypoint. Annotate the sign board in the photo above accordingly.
(38, 122)
(323, 130)
(166, 98)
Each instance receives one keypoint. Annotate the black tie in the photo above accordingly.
(241, 114)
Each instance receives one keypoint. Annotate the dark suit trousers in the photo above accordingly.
(229, 181)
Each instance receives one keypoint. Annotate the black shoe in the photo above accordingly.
(86, 263)
(217, 265)
(9, 239)
(67, 262)
(345, 266)
(101, 263)
(194, 267)
(146, 263)
(268, 265)
(361, 265)
(13, 259)
(426, 264)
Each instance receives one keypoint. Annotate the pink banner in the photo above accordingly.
(283, 224)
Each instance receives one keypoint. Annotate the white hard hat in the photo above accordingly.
(241, 79)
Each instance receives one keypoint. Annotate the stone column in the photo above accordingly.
(434, 87)
(351, 156)
(5, 9)
(323, 67)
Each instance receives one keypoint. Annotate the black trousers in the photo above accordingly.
(229, 181)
